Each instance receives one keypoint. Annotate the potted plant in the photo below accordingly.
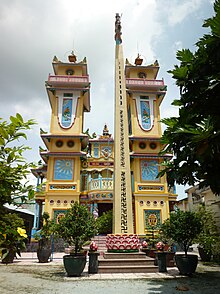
(12, 237)
(208, 236)
(183, 227)
(44, 237)
(76, 227)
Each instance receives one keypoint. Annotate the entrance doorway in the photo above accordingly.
(103, 207)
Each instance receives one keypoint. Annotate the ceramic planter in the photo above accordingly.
(186, 264)
(43, 254)
(9, 258)
(74, 264)
(204, 255)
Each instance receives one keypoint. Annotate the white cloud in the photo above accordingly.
(179, 10)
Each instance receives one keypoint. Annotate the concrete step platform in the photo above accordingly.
(127, 269)
(133, 255)
(125, 262)
(136, 262)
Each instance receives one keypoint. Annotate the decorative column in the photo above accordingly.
(122, 205)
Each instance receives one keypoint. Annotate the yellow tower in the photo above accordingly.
(68, 92)
(152, 200)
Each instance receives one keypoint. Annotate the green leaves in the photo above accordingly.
(13, 166)
(194, 136)
(77, 226)
(183, 227)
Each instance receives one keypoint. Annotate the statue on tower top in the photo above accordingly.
(118, 32)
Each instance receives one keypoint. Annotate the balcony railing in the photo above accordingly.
(100, 184)
(81, 81)
(142, 83)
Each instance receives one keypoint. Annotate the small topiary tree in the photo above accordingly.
(104, 223)
(183, 227)
(77, 226)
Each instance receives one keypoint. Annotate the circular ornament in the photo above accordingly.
(142, 145)
(51, 202)
(148, 202)
(153, 145)
(142, 75)
(59, 143)
(155, 203)
(70, 143)
(69, 72)
(161, 202)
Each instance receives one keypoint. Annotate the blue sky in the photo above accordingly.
(32, 32)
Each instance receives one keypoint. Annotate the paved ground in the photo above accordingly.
(26, 275)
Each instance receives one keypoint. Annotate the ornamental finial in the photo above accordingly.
(118, 29)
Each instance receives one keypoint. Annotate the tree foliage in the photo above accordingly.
(14, 168)
(77, 226)
(183, 227)
(104, 223)
(194, 136)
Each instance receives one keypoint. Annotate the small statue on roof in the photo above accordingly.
(118, 32)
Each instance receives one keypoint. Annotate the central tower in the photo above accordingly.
(122, 205)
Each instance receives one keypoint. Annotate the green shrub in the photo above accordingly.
(104, 223)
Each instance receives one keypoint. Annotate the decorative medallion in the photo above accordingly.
(149, 170)
(148, 202)
(59, 143)
(58, 214)
(142, 75)
(152, 219)
(70, 143)
(69, 72)
(141, 203)
(106, 152)
(153, 145)
(142, 145)
(63, 169)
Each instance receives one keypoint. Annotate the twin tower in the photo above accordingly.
(98, 171)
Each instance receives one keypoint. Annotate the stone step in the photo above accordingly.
(132, 255)
(125, 262)
(101, 242)
(127, 269)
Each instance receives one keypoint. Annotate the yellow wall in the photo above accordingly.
(139, 210)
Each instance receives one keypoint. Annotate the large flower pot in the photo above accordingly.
(43, 254)
(186, 264)
(204, 255)
(74, 264)
(9, 257)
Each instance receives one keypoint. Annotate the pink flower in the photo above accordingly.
(160, 246)
(144, 244)
(93, 246)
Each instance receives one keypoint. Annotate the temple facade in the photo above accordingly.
(80, 166)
